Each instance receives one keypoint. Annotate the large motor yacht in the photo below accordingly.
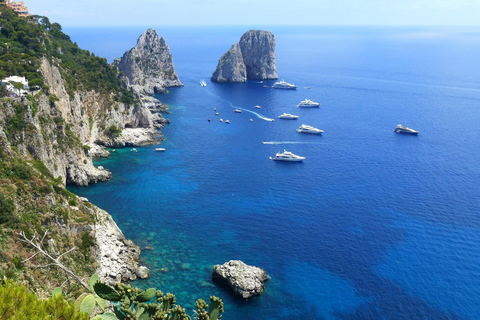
(307, 103)
(309, 129)
(284, 85)
(402, 129)
(287, 156)
(288, 116)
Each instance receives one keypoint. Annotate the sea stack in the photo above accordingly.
(253, 58)
(148, 67)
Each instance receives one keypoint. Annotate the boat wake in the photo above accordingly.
(258, 115)
(287, 142)
(253, 112)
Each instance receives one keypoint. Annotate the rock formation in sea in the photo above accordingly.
(253, 58)
(148, 67)
(231, 67)
(246, 281)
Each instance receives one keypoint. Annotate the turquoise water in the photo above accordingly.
(372, 225)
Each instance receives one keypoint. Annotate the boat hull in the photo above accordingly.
(407, 132)
(308, 106)
(289, 160)
(311, 132)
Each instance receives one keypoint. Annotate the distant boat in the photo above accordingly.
(134, 150)
(214, 109)
(258, 107)
(309, 129)
(237, 111)
(407, 130)
(251, 120)
(284, 85)
(287, 156)
(203, 83)
(159, 149)
(227, 121)
(221, 120)
(307, 103)
(288, 116)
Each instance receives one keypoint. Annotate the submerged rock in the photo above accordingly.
(252, 58)
(246, 281)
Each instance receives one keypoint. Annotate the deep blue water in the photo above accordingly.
(372, 225)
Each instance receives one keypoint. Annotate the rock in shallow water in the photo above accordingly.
(246, 281)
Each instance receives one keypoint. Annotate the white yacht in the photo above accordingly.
(237, 111)
(307, 103)
(284, 85)
(287, 156)
(309, 129)
(160, 149)
(258, 107)
(402, 129)
(227, 121)
(288, 116)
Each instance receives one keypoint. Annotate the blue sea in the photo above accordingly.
(371, 225)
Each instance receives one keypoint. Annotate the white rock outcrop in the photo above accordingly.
(116, 256)
(246, 281)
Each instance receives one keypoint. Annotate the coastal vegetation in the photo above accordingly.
(25, 41)
(34, 203)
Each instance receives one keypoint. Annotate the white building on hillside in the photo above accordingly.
(11, 88)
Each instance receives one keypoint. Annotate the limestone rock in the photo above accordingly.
(142, 272)
(116, 256)
(246, 281)
(231, 67)
(148, 67)
(258, 49)
(253, 58)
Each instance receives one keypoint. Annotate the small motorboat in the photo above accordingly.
(237, 111)
(251, 120)
(221, 120)
(160, 149)
(227, 121)
(258, 107)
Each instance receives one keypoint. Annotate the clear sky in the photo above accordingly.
(258, 12)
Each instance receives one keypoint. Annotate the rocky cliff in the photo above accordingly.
(231, 67)
(77, 101)
(148, 67)
(253, 58)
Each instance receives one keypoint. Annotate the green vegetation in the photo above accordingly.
(151, 304)
(113, 131)
(25, 41)
(17, 302)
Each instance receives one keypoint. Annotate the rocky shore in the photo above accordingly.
(116, 256)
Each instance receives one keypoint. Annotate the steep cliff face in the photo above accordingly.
(231, 67)
(253, 58)
(258, 50)
(148, 67)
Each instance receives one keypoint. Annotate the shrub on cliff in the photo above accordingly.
(7, 209)
(17, 302)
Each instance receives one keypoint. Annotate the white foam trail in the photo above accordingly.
(287, 142)
(253, 112)
(243, 109)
